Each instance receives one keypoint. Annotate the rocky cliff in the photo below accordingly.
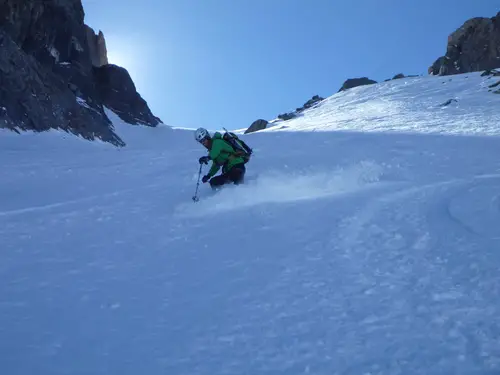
(54, 73)
(117, 92)
(257, 125)
(355, 82)
(475, 46)
(97, 47)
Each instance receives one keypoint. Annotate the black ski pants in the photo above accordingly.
(235, 175)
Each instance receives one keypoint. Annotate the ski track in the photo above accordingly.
(345, 282)
(456, 307)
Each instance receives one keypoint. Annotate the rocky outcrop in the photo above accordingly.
(496, 84)
(97, 47)
(48, 72)
(434, 68)
(491, 73)
(256, 126)
(117, 92)
(355, 82)
(287, 115)
(316, 99)
(448, 102)
(34, 98)
(51, 30)
(310, 103)
(262, 124)
(473, 47)
(401, 76)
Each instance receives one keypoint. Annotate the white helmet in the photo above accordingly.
(201, 134)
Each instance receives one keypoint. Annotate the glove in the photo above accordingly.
(205, 178)
(204, 159)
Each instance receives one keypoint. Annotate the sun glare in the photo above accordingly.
(120, 58)
(127, 53)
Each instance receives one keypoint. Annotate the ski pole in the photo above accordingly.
(195, 197)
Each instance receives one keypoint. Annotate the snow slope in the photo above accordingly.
(364, 250)
(410, 105)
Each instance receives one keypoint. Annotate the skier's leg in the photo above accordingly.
(237, 174)
(217, 181)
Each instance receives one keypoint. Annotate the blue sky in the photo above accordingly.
(227, 63)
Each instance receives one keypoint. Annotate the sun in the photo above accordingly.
(121, 55)
(126, 53)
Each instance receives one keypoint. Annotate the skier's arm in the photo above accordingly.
(213, 169)
(218, 148)
(214, 154)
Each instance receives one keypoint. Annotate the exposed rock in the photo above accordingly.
(448, 102)
(312, 102)
(494, 85)
(51, 30)
(97, 47)
(34, 98)
(256, 126)
(489, 72)
(117, 92)
(434, 69)
(287, 116)
(473, 47)
(398, 76)
(355, 82)
(46, 70)
(309, 104)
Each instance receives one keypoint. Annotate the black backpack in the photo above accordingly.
(241, 148)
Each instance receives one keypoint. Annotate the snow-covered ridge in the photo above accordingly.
(412, 104)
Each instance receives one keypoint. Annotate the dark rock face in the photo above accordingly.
(117, 92)
(287, 116)
(256, 126)
(34, 98)
(494, 85)
(51, 30)
(397, 76)
(434, 68)
(47, 71)
(355, 82)
(473, 47)
(97, 47)
(448, 102)
(491, 73)
(311, 102)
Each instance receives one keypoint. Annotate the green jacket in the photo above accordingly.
(222, 154)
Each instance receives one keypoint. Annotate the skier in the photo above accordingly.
(222, 154)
